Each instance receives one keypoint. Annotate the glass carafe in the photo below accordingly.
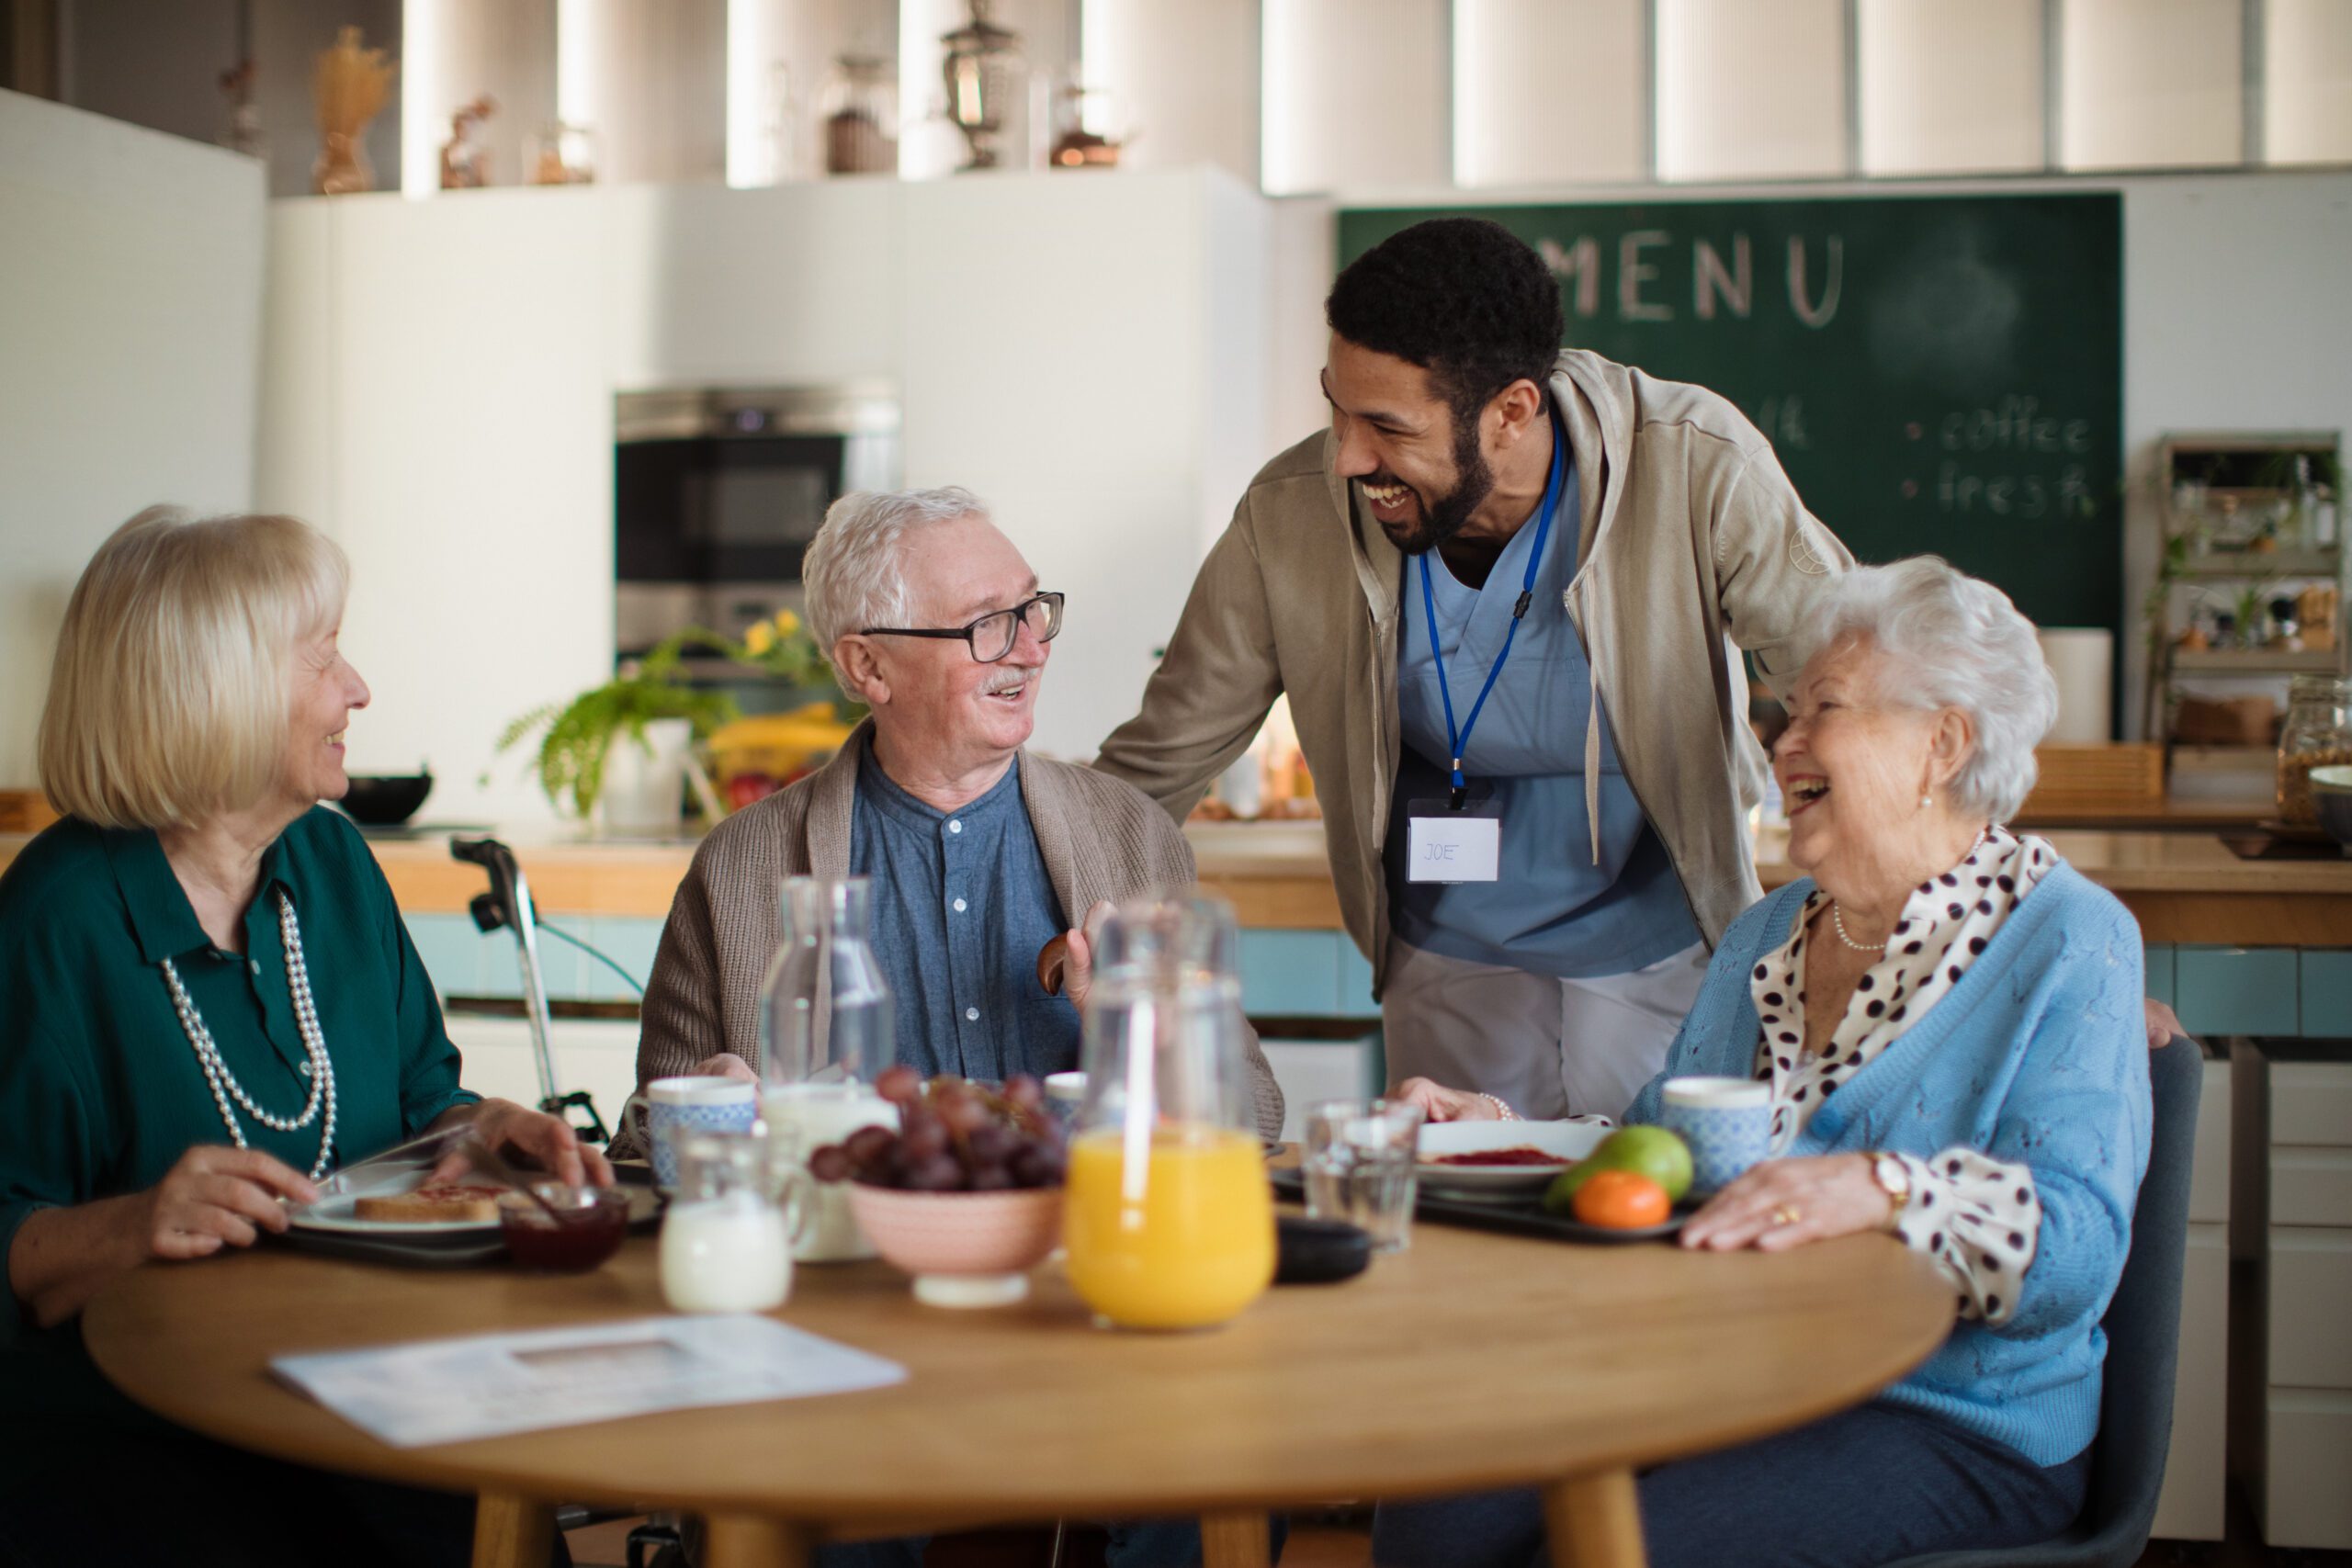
(828, 1029)
(1169, 1218)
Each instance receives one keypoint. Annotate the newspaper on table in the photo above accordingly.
(487, 1386)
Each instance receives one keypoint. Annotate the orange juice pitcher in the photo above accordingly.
(1169, 1219)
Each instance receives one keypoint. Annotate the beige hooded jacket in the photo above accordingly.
(1690, 539)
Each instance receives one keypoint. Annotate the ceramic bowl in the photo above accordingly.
(2332, 795)
(595, 1222)
(963, 1248)
(385, 800)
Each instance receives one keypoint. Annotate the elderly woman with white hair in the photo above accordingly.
(210, 1003)
(1949, 1019)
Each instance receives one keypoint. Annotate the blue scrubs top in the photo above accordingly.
(1555, 910)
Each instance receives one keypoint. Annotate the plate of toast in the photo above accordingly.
(436, 1208)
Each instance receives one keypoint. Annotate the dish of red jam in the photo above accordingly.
(1518, 1155)
(593, 1220)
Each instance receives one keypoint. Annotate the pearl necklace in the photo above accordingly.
(224, 1084)
(1837, 919)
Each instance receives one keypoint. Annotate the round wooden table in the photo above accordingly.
(1470, 1361)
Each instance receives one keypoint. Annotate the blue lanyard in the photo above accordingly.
(1458, 741)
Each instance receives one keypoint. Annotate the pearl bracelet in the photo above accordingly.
(1503, 1112)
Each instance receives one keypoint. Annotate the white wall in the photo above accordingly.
(1084, 353)
(131, 274)
(2235, 317)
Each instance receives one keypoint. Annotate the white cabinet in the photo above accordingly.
(438, 380)
(597, 1054)
(2296, 1388)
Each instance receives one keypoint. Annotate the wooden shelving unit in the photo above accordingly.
(2246, 477)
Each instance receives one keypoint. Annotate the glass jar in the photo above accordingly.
(858, 116)
(727, 1236)
(561, 154)
(2317, 733)
(828, 1029)
(1168, 1220)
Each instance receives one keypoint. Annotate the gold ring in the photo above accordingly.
(1786, 1214)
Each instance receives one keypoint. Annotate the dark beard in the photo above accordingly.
(1449, 513)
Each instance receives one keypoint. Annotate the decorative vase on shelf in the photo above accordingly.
(350, 85)
(645, 785)
(342, 168)
(988, 89)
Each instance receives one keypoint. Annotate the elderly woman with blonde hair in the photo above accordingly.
(210, 1003)
(1949, 1017)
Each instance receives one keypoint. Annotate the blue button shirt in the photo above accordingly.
(961, 906)
(1555, 910)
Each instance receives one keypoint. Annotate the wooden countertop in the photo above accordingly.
(2183, 886)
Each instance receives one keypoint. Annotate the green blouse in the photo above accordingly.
(100, 1091)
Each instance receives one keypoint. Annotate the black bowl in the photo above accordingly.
(2332, 795)
(387, 800)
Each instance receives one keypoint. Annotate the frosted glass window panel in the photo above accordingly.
(1751, 89)
(648, 78)
(1950, 86)
(1185, 76)
(2307, 82)
(2150, 84)
(1354, 94)
(1548, 91)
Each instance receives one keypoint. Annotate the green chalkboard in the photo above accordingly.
(1938, 373)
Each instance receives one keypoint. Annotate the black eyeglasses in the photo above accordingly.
(992, 636)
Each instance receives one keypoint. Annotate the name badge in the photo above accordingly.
(1445, 845)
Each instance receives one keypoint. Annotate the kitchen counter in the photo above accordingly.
(2183, 888)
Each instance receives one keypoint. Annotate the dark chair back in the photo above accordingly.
(2142, 1325)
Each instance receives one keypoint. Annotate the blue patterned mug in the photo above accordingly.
(694, 1104)
(1726, 1121)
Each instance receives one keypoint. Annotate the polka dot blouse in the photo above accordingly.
(1977, 1217)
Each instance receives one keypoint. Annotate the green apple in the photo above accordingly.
(1653, 1152)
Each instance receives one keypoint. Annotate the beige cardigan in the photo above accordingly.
(1690, 534)
(1099, 838)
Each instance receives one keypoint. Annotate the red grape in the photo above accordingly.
(901, 1085)
(830, 1162)
(937, 1175)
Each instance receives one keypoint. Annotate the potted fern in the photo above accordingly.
(640, 786)
(649, 706)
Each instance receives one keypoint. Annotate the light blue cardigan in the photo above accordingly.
(2038, 1056)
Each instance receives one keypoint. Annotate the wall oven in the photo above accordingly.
(717, 492)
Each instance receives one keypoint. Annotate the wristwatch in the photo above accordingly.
(1893, 1179)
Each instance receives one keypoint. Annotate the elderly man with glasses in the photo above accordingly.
(981, 854)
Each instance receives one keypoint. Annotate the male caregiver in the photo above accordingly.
(1502, 590)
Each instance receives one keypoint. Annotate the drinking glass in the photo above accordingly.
(1169, 1218)
(1359, 1166)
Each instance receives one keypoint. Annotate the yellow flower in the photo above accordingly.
(786, 623)
(759, 639)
